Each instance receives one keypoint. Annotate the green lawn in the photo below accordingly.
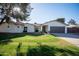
(35, 45)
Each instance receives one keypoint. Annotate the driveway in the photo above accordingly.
(72, 38)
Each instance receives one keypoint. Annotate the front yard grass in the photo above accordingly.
(35, 45)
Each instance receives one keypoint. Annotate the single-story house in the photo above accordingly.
(52, 26)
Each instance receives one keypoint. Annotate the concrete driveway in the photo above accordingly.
(72, 38)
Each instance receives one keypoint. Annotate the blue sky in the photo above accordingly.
(44, 12)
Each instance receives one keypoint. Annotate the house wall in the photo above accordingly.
(11, 28)
(54, 23)
(30, 28)
(39, 28)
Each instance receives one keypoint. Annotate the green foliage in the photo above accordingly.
(18, 14)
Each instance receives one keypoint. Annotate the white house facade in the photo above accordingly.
(56, 27)
(29, 28)
(51, 27)
(48, 27)
(11, 28)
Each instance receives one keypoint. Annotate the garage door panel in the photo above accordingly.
(57, 29)
(73, 30)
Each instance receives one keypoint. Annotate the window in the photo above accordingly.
(8, 26)
(36, 30)
(25, 29)
(18, 26)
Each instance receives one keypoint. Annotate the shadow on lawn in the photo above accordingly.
(35, 34)
(18, 53)
(0, 54)
(6, 37)
(44, 50)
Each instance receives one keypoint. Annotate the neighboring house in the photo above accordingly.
(53, 26)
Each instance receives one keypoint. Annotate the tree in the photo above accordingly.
(72, 22)
(61, 20)
(15, 10)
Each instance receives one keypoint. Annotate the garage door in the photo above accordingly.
(57, 29)
(73, 30)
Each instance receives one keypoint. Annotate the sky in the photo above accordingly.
(43, 12)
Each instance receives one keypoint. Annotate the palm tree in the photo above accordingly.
(15, 10)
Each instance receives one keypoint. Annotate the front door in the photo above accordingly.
(44, 28)
(25, 29)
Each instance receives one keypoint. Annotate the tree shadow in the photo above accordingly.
(3, 42)
(18, 53)
(1, 55)
(6, 37)
(44, 50)
(35, 34)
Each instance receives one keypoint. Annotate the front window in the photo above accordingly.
(18, 26)
(36, 30)
(8, 26)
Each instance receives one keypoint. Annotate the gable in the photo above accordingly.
(55, 23)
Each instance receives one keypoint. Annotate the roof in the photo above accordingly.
(73, 25)
(53, 21)
(34, 24)
(29, 23)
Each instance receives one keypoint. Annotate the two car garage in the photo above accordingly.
(62, 30)
(54, 29)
